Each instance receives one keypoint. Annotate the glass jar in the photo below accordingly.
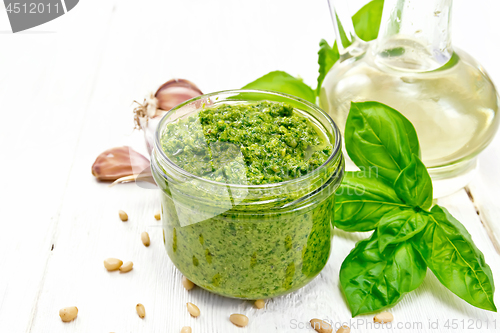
(248, 241)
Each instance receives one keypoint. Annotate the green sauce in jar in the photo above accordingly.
(270, 141)
(248, 197)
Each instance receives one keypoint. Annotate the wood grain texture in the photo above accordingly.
(72, 83)
(42, 125)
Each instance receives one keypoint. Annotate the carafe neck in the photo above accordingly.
(348, 43)
(415, 35)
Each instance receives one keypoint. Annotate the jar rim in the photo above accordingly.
(334, 155)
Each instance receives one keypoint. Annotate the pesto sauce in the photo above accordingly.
(262, 256)
(240, 253)
(259, 143)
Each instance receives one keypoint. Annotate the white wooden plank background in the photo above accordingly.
(66, 89)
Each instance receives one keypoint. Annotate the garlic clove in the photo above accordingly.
(118, 162)
(174, 92)
(148, 114)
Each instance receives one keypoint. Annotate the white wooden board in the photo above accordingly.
(66, 90)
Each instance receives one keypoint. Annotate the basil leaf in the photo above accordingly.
(399, 225)
(372, 280)
(414, 185)
(367, 20)
(378, 136)
(283, 82)
(407, 270)
(448, 250)
(327, 57)
(361, 201)
(366, 24)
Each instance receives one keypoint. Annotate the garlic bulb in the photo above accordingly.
(171, 93)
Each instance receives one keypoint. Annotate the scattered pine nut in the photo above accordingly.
(141, 311)
(68, 314)
(239, 319)
(344, 329)
(123, 215)
(188, 285)
(321, 326)
(260, 304)
(186, 329)
(193, 309)
(384, 317)
(126, 267)
(145, 239)
(112, 264)
(158, 218)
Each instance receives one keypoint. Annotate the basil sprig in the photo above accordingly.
(392, 195)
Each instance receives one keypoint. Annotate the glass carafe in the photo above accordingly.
(413, 68)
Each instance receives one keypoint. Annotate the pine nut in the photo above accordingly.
(145, 239)
(344, 329)
(239, 319)
(321, 326)
(141, 311)
(158, 218)
(384, 317)
(193, 309)
(260, 304)
(112, 264)
(127, 267)
(123, 215)
(188, 285)
(68, 314)
(186, 329)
